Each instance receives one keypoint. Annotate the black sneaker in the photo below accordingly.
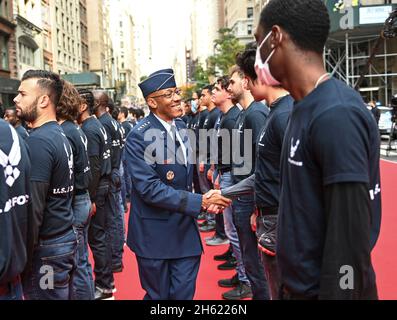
(242, 291)
(267, 240)
(229, 283)
(101, 294)
(202, 216)
(208, 228)
(225, 256)
(118, 269)
(231, 264)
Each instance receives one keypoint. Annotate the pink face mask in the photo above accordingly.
(262, 68)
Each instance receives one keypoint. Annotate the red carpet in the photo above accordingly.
(384, 256)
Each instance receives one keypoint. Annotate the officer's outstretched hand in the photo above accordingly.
(214, 197)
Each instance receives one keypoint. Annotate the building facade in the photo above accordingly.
(102, 61)
(29, 35)
(8, 59)
(239, 17)
(122, 35)
(66, 36)
(85, 57)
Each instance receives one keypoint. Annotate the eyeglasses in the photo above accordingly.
(169, 95)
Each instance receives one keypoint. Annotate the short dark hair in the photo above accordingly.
(115, 113)
(246, 62)
(236, 69)
(224, 82)
(69, 104)
(111, 105)
(87, 97)
(47, 80)
(139, 113)
(124, 110)
(306, 21)
(209, 87)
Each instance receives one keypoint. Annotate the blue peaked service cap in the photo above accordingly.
(159, 80)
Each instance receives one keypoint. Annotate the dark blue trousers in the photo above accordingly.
(169, 279)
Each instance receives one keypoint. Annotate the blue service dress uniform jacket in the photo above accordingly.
(162, 223)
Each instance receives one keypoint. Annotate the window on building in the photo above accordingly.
(249, 29)
(5, 8)
(26, 54)
(4, 63)
(250, 13)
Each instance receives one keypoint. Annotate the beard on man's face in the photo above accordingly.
(29, 114)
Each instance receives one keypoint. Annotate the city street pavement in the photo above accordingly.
(392, 154)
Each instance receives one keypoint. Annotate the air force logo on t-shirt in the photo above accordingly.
(106, 153)
(261, 144)
(11, 161)
(84, 140)
(293, 150)
(69, 154)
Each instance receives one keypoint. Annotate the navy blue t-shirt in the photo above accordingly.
(249, 124)
(14, 202)
(98, 143)
(228, 122)
(127, 126)
(208, 125)
(270, 143)
(52, 162)
(113, 131)
(22, 132)
(331, 138)
(79, 144)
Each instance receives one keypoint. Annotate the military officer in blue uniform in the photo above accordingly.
(163, 230)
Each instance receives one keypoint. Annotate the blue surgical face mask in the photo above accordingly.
(194, 106)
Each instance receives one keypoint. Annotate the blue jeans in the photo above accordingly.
(231, 232)
(115, 227)
(84, 288)
(243, 209)
(15, 293)
(99, 238)
(53, 268)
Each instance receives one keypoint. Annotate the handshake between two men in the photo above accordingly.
(214, 202)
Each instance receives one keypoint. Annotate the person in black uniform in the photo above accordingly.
(223, 100)
(126, 179)
(99, 154)
(14, 211)
(248, 127)
(265, 183)
(122, 118)
(103, 105)
(67, 111)
(330, 201)
(52, 239)
(208, 118)
(11, 117)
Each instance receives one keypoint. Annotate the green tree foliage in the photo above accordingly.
(226, 49)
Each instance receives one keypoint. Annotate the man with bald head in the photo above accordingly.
(11, 117)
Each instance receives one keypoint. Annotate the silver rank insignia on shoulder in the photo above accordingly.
(170, 175)
(143, 126)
